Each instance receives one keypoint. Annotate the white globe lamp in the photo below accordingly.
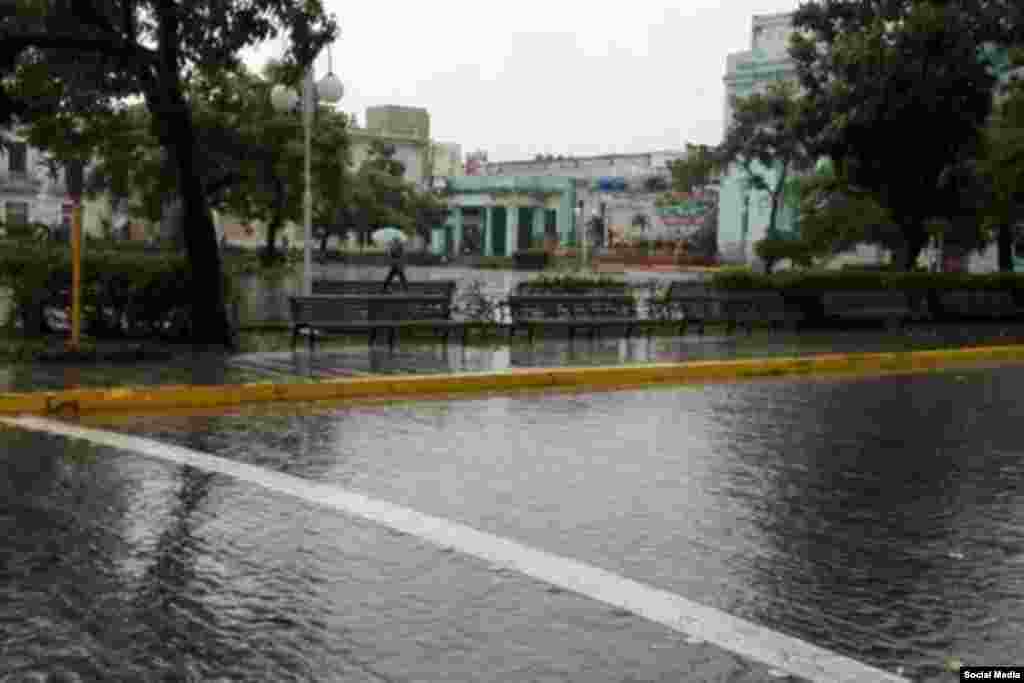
(330, 89)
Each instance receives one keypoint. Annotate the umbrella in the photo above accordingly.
(386, 235)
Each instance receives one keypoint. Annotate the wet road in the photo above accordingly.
(882, 518)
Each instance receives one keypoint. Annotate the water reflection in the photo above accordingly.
(888, 508)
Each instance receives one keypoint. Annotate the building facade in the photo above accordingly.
(407, 129)
(446, 160)
(619, 189)
(499, 215)
(743, 214)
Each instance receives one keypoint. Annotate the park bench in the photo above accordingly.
(979, 304)
(686, 302)
(319, 314)
(417, 288)
(530, 288)
(573, 312)
(694, 302)
(888, 306)
(745, 308)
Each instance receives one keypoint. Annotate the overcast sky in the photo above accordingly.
(552, 77)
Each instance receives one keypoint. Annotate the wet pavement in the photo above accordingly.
(880, 518)
(424, 358)
(120, 568)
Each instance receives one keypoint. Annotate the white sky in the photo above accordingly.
(555, 77)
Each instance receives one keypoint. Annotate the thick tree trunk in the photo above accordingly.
(173, 118)
(210, 324)
(1004, 247)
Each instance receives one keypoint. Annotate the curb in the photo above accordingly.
(75, 402)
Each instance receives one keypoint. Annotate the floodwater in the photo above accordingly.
(881, 518)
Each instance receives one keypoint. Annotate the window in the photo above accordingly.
(17, 213)
(17, 157)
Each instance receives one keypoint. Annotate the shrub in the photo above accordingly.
(570, 282)
(123, 294)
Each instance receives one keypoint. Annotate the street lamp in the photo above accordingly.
(282, 98)
(580, 232)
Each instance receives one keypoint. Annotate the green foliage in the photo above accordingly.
(865, 280)
(872, 73)
(695, 170)
(571, 282)
(123, 293)
(774, 249)
(768, 138)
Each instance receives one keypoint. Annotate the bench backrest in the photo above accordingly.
(528, 288)
(754, 301)
(418, 288)
(564, 307)
(685, 289)
(318, 309)
(978, 302)
(839, 300)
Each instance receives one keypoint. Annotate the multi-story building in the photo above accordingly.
(31, 193)
(743, 213)
(407, 129)
(446, 160)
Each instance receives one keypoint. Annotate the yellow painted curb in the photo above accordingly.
(73, 402)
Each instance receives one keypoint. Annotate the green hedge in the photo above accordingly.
(848, 280)
(123, 294)
(571, 282)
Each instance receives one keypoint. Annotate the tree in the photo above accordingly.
(694, 171)
(82, 57)
(897, 94)
(381, 196)
(1001, 163)
(429, 212)
(767, 139)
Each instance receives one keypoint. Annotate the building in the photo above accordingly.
(743, 214)
(31, 193)
(407, 129)
(499, 215)
(620, 189)
(446, 160)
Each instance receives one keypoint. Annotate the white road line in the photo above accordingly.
(742, 637)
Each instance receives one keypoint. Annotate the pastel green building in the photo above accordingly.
(743, 214)
(498, 216)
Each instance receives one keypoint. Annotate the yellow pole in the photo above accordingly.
(76, 275)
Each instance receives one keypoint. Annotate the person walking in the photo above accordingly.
(396, 251)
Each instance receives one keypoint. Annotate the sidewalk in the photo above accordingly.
(182, 366)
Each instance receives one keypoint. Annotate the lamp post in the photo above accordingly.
(580, 232)
(330, 90)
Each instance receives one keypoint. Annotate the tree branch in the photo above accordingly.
(49, 41)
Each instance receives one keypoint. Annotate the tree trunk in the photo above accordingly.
(173, 119)
(913, 249)
(210, 324)
(1004, 246)
(270, 253)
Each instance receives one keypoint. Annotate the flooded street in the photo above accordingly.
(880, 518)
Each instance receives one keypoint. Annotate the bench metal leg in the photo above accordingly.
(295, 336)
(311, 333)
(391, 339)
(372, 337)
